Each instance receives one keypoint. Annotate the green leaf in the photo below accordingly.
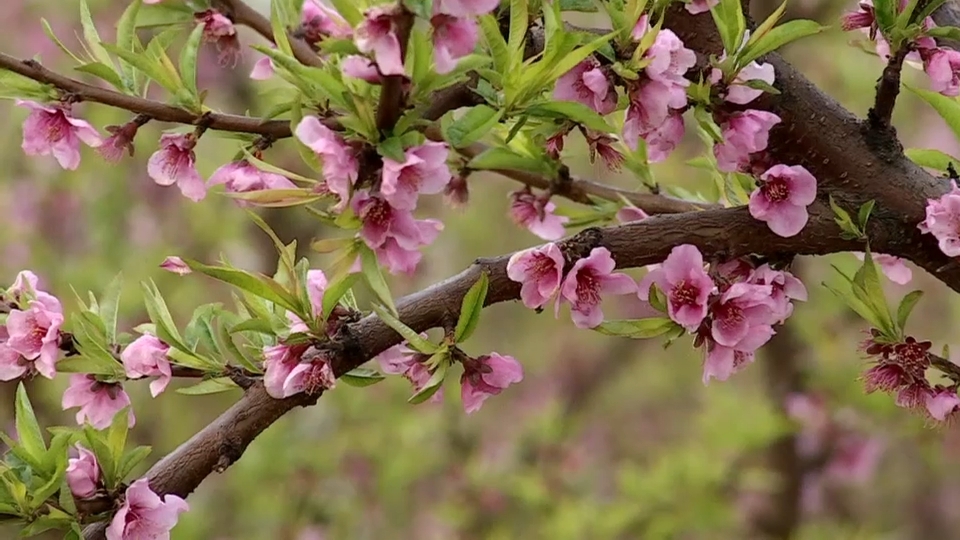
(927, 9)
(361, 377)
(184, 357)
(117, 433)
(886, 14)
(948, 107)
(864, 214)
(109, 305)
(519, 21)
(258, 285)
(28, 429)
(335, 292)
(731, 24)
(392, 148)
(413, 338)
(870, 291)
(778, 37)
(105, 72)
(571, 110)
(348, 10)
(91, 36)
(844, 220)
(767, 24)
(435, 382)
(149, 66)
(706, 122)
(126, 38)
(277, 25)
(471, 126)
(94, 365)
(854, 303)
(131, 459)
(373, 275)
(637, 328)
(53, 37)
(495, 43)
(504, 159)
(188, 63)
(97, 444)
(160, 315)
(757, 84)
(254, 325)
(209, 386)
(584, 6)
(906, 307)
(470, 309)
(934, 159)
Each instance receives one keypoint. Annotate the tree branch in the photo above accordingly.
(888, 87)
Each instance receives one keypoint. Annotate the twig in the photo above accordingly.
(391, 92)
(888, 87)
(240, 13)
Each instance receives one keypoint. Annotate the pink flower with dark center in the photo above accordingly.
(24, 286)
(528, 211)
(893, 267)
(424, 171)
(695, 7)
(453, 38)
(146, 356)
(943, 68)
(263, 69)
(83, 474)
(401, 260)
(943, 403)
(589, 278)
(243, 177)
(394, 234)
(318, 22)
(175, 163)
(783, 197)
(588, 84)
(629, 214)
(685, 283)
(34, 334)
(144, 515)
(487, 376)
(52, 130)
(218, 29)
(864, 17)
(400, 360)
(662, 141)
(784, 288)
(602, 144)
(744, 133)
(310, 377)
(721, 362)
(121, 139)
(651, 104)
(743, 309)
(738, 92)
(98, 401)
(669, 59)
(12, 365)
(176, 265)
(885, 377)
(278, 363)
(943, 221)
(360, 67)
(340, 166)
(465, 8)
(914, 395)
(539, 271)
(377, 34)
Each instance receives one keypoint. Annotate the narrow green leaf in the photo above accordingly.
(495, 43)
(519, 21)
(109, 305)
(947, 107)
(131, 459)
(392, 148)
(730, 22)
(348, 10)
(472, 126)
(570, 110)
(126, 40)
(864, 214)
(53, 37)
(91, 36)
(413, 338)
(854, 303)
(886, 14)
(361, 377)
(96, 442)
(373, 275)
(906, 307)
(470, 309)
(209, 386)
(767, 24)
(188, 62)
(117, 433)
(778, 37)
(497, 158)
(277, 25)
(637, 328)
(434, 383)
(335, 292)
(934, 159)
(28, 429)
(258, 285)
(103, 71)
(160, 315)
(870, 291)
(584, 6)
(254, 325)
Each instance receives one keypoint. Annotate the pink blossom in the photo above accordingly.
(278, 363)
(487, 376)
(885, 377)
(319, 22)
(144, 515)
(651, 104)
(35, 335)
(310, 377)
(263, 69)
(146, 356)
(864, 17)
(175, 163)
(743, 309)
(51, 130)
(218, 29)
(589, 278)
(662, 141)
(465, 8)
(602, 144)
(176, 265)
(700, 6)
(587, 84)
(943, 68)
(641, 28)
(121, 139)
(784, 287)
(942, 403)
(629, 214)
(722, 362)
(782, 198)
(741, 94)
(893, 267)
(99, 401)
(685, 283)
(25, 285)
(243, 177)
(743, 134)
(340, 166)
(525, 210)
(394, 234)
(943, 221)
(316, 286)
(360, 67)
(539, 270)
(669, 59)
(400, 360)
(12, 365)
(424, 171)
(453, 38)
(457, 192)
(377, 34)
(83, 474)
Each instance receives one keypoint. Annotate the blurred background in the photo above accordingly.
(604, 438)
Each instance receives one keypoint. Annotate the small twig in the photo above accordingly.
(946, 366)
(391, 92)
(242, 14)
(888, 87)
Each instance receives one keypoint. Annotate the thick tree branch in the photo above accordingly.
(888, 87)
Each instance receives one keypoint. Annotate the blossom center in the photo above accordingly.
(684, 294)
(588, 289)
(776, 190)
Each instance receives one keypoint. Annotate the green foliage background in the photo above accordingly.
(604, 438)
